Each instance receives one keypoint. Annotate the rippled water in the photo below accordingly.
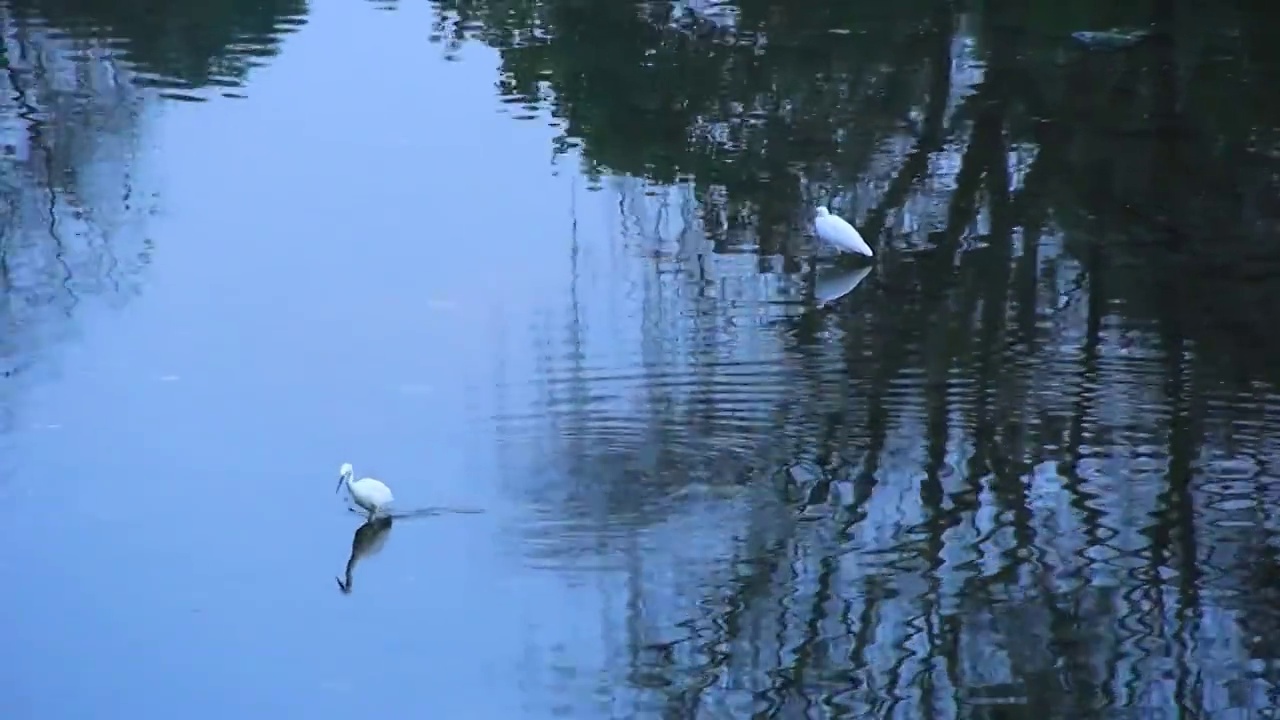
(547, 269)
(183, 53)
(902, 499)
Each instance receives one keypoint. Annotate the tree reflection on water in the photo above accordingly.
(1025, 461)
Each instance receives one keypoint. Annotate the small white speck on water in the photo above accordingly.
(46, 426)
(168, 378)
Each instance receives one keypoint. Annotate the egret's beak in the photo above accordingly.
(340, 479)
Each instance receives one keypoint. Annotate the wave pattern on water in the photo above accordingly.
(181, 51)
(822, 504)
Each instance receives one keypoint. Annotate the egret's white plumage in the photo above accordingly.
(835, 231)
(370, 494)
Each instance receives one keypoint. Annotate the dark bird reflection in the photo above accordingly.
(371, 536)
(368, 540)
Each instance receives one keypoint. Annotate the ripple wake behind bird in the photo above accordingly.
(423, 512)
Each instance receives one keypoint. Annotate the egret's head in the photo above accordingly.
(345, 473)
(822, 211)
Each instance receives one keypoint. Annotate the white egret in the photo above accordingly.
(836, 231)
(370, 494)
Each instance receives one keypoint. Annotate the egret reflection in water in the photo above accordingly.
(368, 540)
(832, 286)
(370, 537)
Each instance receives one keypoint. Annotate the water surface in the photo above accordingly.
(552, 261)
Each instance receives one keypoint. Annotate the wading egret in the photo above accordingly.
(368, 540)
(368, 493)
(835, 231)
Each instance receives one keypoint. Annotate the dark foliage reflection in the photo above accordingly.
(1025, 465)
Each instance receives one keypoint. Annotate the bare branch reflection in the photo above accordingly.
(74, 197)
(1026, 467)
(71, 218)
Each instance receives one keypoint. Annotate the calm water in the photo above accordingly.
(550, 260)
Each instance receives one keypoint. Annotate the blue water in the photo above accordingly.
(327, 287)
(717, 476)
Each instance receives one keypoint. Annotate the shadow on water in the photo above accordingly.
(372, 535)
(1030, 472)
